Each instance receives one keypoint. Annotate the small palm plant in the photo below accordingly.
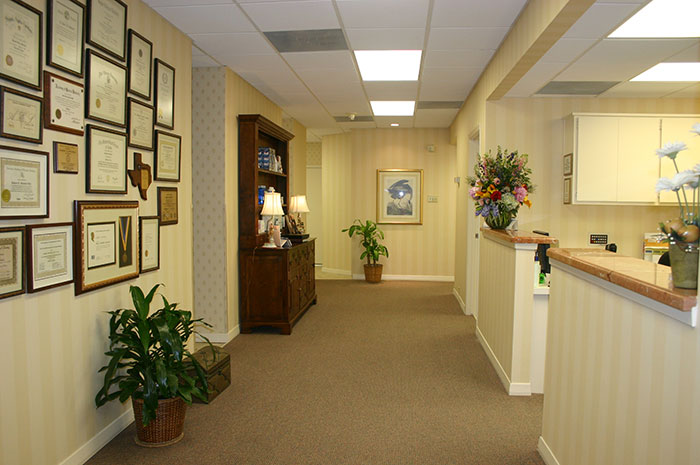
(370, 235)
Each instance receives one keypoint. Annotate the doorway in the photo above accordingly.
(314, 221)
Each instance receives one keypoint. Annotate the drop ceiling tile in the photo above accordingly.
(203, 61)
(434, 118)
(461, 13)
(358, 125)
(197, 52)
(466, 38)
(384, 14)
(296, 98)
(386, 39)
(292, 16)
(567, 50)
(643, 89)
(330, 78)
(207, 19)
(447, 83)
(338, 60)
(340, 109)
(692, 91)
(240, 63)
(690, 54)
(243, 43)
(346, 96)
(600, 20)
(457, 58)
(536, 78)
(391, 90)
(385, 121)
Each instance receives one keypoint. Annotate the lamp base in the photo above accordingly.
(297, 238)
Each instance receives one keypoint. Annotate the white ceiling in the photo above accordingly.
(458, 37)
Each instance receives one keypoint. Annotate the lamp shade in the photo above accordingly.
(298, 204)
(273, 204)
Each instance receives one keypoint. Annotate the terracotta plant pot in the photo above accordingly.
(373, 273)
(168, 426)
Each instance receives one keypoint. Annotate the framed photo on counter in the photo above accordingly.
(167, 157)
(165, 94)
(107, 26)
(49, 256)
(20, 43)
(65, 36)
(24, 183)
(140, 64)
(106, 161)
(20, 116)
(106, 90)
(65, 104)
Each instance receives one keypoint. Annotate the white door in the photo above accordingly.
(314, 223)
(473, 233)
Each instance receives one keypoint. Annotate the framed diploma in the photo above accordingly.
(139, 64)
(49, 256)
(165, 94)
(140, 125)
(65, 158)
(149, 228)
(20, 43)
(18, 116)
(64, 108)
(167, 205)
(106, 83)
(65, 36)
(12, 260)
(167, 157)
(106, 161)
(24, 183)
(107, 26)
(106, 243)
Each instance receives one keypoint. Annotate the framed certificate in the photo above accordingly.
(106, 161)
(107, 248)
(65, 104)
(12, 260)
(107, 26)
(140, 125)
(65, 158)
(149, 228)
(49, 256)
(24, 183)
(20, 43)
(139, 64)
(65, 36)
(165, 94)
(568, 164)
(106, 83)
(167, 157)
(18, 116)
(167, 205)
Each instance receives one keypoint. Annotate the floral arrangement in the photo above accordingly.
(685, 227)
(500, 186)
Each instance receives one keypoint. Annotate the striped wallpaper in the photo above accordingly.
(52, 343)
(336, 152)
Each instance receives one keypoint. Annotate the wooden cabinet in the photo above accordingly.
(276, 285)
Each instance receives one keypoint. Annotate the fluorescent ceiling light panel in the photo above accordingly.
(663, 18)
(671, 72)
(388, 65)
(393, 108)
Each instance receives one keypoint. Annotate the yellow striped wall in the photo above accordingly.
(297, 156)
(622, 382)
(336, 153)
(52, 343)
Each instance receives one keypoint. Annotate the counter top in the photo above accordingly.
(517, 237)
(645, 278)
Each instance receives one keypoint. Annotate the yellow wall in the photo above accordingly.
(52, 342)
(336, 153)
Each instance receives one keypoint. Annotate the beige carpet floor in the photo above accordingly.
(373, 374)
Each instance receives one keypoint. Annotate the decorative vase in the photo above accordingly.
(684, 264)
(373, 273)
(501, 221)
(166, 429)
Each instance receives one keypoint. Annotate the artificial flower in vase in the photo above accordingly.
(500, 185)
(682, 232)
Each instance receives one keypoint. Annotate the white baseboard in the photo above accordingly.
(520, 389)
(513, 389)
(410, 277)
(460, 301)
(221, 338)
(98, 441)
(336, 271)
(546, 453)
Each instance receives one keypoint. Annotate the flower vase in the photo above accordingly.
(501, 221)
(684, 264)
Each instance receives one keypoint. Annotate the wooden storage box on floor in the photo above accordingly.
(217, 365)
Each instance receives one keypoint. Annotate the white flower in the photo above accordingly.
(696, 129)
(686, 177)
(671, 149)
(664, 184)
(696, 169)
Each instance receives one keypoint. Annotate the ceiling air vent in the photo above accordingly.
(576, 88)
(356, 119)
(317, 40)
(438, 105)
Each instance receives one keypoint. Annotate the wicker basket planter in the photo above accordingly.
(168, 426)
(373, 273)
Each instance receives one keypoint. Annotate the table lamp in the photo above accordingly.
(272, 206)
(298, 205)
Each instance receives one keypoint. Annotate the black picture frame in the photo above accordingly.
(118, 72)
(17, 119)
(163, 86)
(34, 81)
(50, 59)
(134, 41)
(96, 36)
(159, 173)
(166, 210)
(91, 180)
(24, 159)
(133, 104)
(51, 281)
(142, 250)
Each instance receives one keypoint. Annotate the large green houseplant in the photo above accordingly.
(370, 235)
(149, 362)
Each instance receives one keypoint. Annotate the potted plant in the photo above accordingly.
(370, 236)
(148, 361)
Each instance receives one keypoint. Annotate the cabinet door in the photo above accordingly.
(596, 158)
(678, 129)
(637, 163)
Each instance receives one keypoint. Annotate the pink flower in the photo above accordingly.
(520, 193)
(473, 191)
(481, 201)
(496, 181)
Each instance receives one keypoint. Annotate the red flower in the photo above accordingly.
(496, 195)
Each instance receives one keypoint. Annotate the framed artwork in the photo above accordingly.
(149, 243)
(65, 36)
(167, 157)
(107, 26)
(399, 196)
(567, 191)
(64, 108)
(139, 63)
(66, 158)
(49, 256)
(20, 43)
(20, 116)
(165, 94)
(106, 161)
(568, 164)
(12, 260)
(106, 84)
(140, 125)
(24, 183)
(106, 245)
(167, 205)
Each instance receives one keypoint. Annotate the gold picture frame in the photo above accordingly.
(400, 196)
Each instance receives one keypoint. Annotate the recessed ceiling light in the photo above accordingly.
(388, 65)
(394, 124)
(393, 108)
(671, 72)
(663, 18)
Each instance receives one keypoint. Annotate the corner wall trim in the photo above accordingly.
(546, 453)
(460, 301)
(513, 389)
(410, 277)
(221, 338)
(98, 441)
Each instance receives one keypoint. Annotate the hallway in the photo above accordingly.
(373, 374)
